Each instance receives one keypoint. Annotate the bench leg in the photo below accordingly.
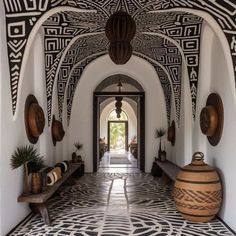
(42, 209)
(165, 178)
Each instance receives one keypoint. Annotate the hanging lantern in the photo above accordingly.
(120, 27)
(120, 52)
(118, 106)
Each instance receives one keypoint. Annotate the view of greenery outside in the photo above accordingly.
(117, 136)
(117, 131)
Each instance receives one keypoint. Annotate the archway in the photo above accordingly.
(106, 96)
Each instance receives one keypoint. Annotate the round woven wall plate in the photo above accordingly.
(215, 101)
(54, 141)
(171, 133)
(57, 131)
(38, 119)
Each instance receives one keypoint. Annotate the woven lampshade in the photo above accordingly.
(120, 27)
(120, 52)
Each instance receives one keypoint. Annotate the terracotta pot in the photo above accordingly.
(36, 183)
(209, 120)
(198, 191)
(163, 156)
(36, 119)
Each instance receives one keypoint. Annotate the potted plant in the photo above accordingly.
(75, 157)
(159, 134)
(28, 157)
(34, 167)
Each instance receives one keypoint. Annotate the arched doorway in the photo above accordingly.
(117, 132)
(118, 135)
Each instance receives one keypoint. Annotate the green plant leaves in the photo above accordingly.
(26, 154)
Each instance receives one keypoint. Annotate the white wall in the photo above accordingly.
(81, 124)
(13, 132)
(215, 75)
(132, 119)
(218, 77)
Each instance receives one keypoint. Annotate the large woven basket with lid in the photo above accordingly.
(198, 191)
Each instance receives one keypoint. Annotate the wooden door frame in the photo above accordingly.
(126, 132)
(141, 125)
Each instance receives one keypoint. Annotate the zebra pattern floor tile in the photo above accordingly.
(114, 205)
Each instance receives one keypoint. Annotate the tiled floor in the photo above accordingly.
(106, 167)
(117, 204)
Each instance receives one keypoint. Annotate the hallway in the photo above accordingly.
(123, 160)
(116, 204)
(80, 78)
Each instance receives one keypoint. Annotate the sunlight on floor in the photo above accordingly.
(121, 166)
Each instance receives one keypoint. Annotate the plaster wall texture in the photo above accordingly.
(81, 124)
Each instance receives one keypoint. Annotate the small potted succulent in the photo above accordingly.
(28, 157)
(159, 134)
(75, 157)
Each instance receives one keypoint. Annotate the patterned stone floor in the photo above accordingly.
(116, 204)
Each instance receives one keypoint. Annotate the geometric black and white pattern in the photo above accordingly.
(185, 29)
(73, 80)
(165, 83)
(24, 17)
(117, 204)
(167, 54)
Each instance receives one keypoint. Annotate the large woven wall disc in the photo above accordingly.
(34, 119)
(212, 119)
(57, 131)
(171, 133)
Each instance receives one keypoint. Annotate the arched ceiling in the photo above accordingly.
(115, 79)
(73, 38)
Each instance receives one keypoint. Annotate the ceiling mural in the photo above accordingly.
(80, 50)
(167, 54)
(74, 79)
(185, 29)
(166, 86)
(61, 28)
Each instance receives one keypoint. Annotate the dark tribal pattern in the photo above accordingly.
(117, 204)
(23, 17)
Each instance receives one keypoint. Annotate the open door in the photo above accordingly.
(117, 135)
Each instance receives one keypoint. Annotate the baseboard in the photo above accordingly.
(226, 225)
(23, 222)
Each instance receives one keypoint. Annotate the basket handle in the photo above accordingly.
(198, 156)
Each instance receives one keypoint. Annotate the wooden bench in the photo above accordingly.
(170, 170)
(37, 202)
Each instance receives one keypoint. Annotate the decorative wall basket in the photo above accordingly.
(171, 133)
(212, 119)
(198, 191)
(57, 131)
(34, 119)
